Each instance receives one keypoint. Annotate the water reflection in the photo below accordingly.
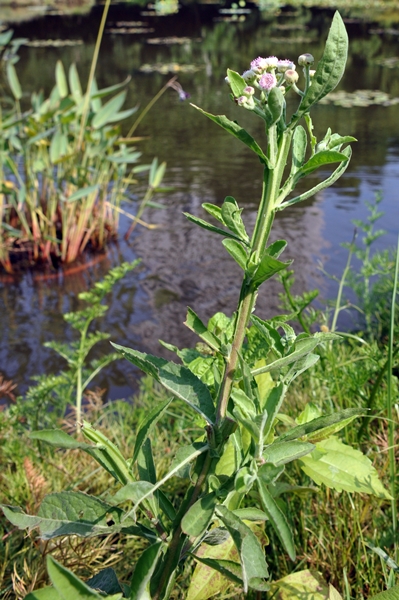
(181, 264)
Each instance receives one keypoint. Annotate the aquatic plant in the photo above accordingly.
(234, 383)
(65, 168)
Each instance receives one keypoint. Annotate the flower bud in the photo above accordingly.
(284, 65)
(249, 90)
(260, 65)
(305, 60)
(249, 76)
(291, 76)
(311, 73)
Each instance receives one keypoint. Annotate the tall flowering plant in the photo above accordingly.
(235, 381)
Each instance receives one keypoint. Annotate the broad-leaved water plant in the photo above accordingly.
(234, 381)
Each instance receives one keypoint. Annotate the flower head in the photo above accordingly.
(267, 81)
(284, 65)
(259, 65)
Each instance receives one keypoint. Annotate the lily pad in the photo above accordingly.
(359, 98)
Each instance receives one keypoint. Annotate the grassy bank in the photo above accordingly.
(334, 532)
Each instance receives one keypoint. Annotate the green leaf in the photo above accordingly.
(82, 193)
(194, 323)
(227, 568)
(58, 146)
(74, 83)
(303, 346)
(199, 515)
(237, 132)
(209, 227)
(299, 144)
(341, 467)
(250, 514)
(253, 564)
(323, 184)
(106, 112)
(236, 250)
(61, 80)
(105, 581)
(213, 210)
(275, 103)
(13, 81)
(65, 513)
(322, 427)
(326, 157)
(330, 69)
(68, 586)
(231, 215)
(143, 572)
(59, 438)
(391, 594)
(237, 83)
(132, 491)
(277, 519)
(147, 425)
(267, 267)
(47, 593)
(281, 453)
(303, 585)
(5, 37)
(177, 379)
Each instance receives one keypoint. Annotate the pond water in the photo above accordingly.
(182, 264)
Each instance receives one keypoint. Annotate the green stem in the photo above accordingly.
(91, 75)
(390, 394)
(338, 307)
(277, 155)
(178, 539)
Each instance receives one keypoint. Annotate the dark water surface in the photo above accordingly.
(181, 264)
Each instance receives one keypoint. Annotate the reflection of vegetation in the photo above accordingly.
(359, 98)
(12, 11)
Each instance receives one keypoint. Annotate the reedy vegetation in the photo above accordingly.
(236, 382)
(65, 168)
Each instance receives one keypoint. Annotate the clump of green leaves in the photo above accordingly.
(235, 383)
(64, 167)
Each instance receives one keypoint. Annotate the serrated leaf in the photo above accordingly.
(177, 379)
(277, 519)
(342, 467)
(237, 132)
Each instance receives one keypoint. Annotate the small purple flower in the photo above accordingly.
(267, 81)
(259, 65)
